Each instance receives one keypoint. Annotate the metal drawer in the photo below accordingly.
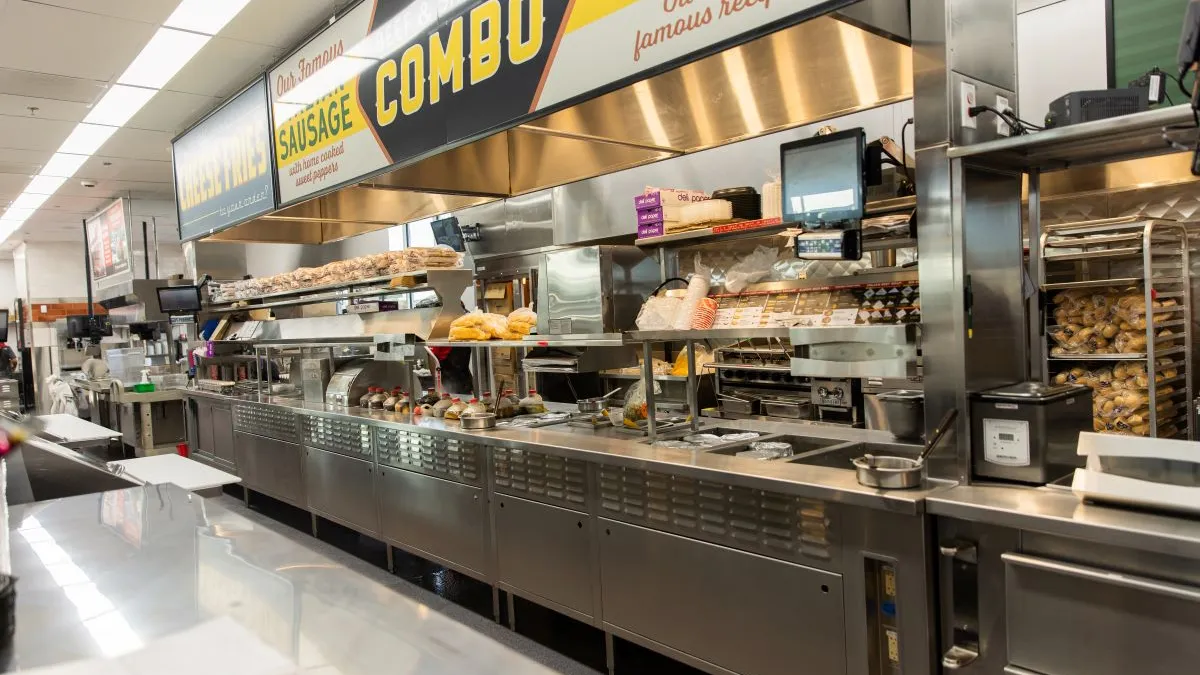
(1101, 622)
(545, 554)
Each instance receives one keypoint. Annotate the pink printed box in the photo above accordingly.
(659, 214)
(651, 230)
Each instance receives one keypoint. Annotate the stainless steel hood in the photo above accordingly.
(817, 70)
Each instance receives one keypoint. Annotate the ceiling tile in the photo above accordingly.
(171, 111)
(111, 189)
(137, 144)
(28, 162)
(146, 11)
(46, 39)
(34, 133)
(48, 109)
(223, 67)
(56, 87)
(280, 23)
(150, 171)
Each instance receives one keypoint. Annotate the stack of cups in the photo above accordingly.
(697, 290)
(705, 314)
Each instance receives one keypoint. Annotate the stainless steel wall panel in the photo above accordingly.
(545, 552)
(434, 517)
(344, 437)
(530, 221)
(983, 38)
(342, 489)
(265, 420)
(272, 467)
(748, 614)
(440, 456)
(541, 477)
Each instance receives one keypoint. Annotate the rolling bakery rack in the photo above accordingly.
(1117, 315)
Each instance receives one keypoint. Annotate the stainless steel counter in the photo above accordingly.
(148, 562)
(1059, 512)
(816, 482)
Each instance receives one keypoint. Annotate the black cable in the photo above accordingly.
(1182, 87)
(904, 145)
(1018, 127)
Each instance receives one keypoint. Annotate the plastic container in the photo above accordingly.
(440, 408)
(364, 401)
(505, 408)
(456, 409)
(404, 406)
(377, 399)
(430, 398)
(533, 403)
(488, 404)
(475, 407)
(390, 402)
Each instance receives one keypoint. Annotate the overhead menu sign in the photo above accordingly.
(393, 79)
(109, 245)
(223, 167)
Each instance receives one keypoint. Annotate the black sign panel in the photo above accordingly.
(223, 166)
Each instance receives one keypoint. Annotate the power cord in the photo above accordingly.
(1019, 126)
(904, 144)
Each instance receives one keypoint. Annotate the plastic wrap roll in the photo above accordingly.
(772, 200)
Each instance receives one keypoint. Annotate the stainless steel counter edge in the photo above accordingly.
(1058, 512)
(833, 485)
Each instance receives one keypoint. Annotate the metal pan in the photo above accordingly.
(900, 473)
(478, 421)
(597, 404)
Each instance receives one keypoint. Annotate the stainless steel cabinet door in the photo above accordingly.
(204, 428)
(546, 552)
(272, 467)
(743, 612)
(341, 488)
(222, 434)
(435, 517)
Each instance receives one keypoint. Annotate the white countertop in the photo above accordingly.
(70, 430)
(186, 473)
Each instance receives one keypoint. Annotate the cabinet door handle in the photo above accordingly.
(1102, 576)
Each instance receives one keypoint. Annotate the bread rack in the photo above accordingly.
(1121, 253)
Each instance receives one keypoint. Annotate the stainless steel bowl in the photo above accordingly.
(890, 473)
(478, 421)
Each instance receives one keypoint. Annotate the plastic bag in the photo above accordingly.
(636, 408)
(751, 269)
(658, 313)
(703, 356)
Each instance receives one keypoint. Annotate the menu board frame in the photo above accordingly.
(371, 124)
(240, 197)
(111, 260)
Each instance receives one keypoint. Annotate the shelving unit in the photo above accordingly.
(1149, 257)
(356, 288)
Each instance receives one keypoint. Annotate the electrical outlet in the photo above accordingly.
(966, 102)
(1002, 127)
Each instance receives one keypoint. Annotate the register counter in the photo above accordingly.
(657, 546)
(151, 423)
(161, 576)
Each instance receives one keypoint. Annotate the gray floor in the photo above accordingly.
(529, 648)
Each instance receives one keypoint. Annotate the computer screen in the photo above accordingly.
(179, 299)
(447, 232)
(823, 178)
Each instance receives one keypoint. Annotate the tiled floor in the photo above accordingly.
(475, 600)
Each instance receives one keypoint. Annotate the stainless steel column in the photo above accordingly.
(969, 236)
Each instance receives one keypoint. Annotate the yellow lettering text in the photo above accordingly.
(412, 79)
(446, 62)
(385, 110)
(485, 41)
(521, 48)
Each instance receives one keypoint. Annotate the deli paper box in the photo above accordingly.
(651, 230)
(655, 197)
(659, 214)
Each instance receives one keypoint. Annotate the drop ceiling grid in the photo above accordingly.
(59, 56)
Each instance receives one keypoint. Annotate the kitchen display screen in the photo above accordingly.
(179, 299)
(823, 178)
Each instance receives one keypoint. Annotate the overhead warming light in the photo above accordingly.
(204, 16)
(164, 56)
(119, 104)
(180, 38)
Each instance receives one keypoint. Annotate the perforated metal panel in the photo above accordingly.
(266, 421)
(540, 477)
(769, 523)
(434, 455)
(344, 437)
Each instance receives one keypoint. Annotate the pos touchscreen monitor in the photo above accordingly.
(823, 180)
(179, 299)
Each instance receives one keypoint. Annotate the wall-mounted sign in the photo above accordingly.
(223, 167)
(109, 245)
(394, 79)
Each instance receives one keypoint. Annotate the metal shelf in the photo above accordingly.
(741, 334)
(657, 378)
(531, 343)
(1099, 357)
(333, 296)
(1094, 283)
(1110, 140)
(299, 292)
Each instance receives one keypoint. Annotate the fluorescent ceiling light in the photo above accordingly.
(205, 16)
(29, 201)
(16, 215)
(63, 165)
(163, 56)
(44, 185)
(86, 139)
(119, 104)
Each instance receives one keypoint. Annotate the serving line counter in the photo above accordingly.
(179, 575)
(819, 569)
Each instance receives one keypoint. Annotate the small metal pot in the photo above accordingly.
(900, 473)
(478, 421)
(597, 404)
(905, 413)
